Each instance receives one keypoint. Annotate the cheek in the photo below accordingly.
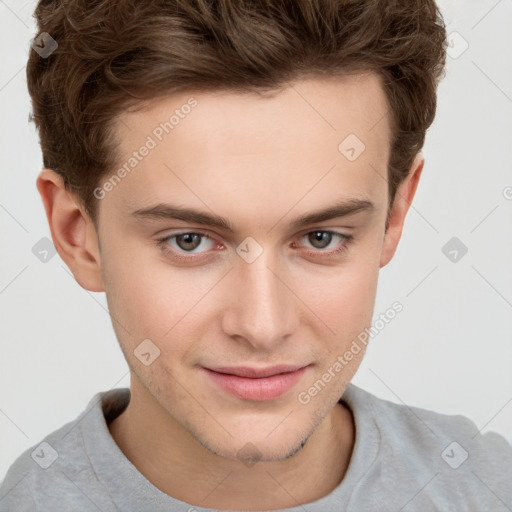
(345, 305)
(151, 299)
(343, 297)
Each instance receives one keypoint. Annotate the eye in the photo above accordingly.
(189, 242)
(319, 239)
(186, 243)
(321, 243)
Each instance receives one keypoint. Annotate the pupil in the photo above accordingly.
(188, 239)
(320, 239)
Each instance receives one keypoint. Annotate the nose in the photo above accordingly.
(260, 308)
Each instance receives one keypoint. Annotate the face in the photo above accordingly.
(245, 314)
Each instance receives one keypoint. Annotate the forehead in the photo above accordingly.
(353, 103)
(315, 139)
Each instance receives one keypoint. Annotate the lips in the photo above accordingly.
(259, 384)
(255, 373)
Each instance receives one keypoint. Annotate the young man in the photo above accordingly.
(233, 175)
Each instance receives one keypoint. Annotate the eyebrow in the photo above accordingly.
(168, 211)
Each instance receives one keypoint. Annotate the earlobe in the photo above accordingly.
(403, 199)
(72, 230)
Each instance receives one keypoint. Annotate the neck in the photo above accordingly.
(178, 465)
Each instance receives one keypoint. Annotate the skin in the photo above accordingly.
(260, 163)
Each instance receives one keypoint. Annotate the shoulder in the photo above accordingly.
(44, 473)
(425, 428)
(445, 457)
(55, 473)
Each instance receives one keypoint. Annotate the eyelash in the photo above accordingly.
(323, 253)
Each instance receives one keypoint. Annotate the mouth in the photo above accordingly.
(258, 384)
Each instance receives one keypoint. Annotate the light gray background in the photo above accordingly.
(450, 348)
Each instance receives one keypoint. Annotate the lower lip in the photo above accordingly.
(265, 388)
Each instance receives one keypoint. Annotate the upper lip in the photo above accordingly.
(256, 373)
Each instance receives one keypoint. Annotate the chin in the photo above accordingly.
(249, 445)
(251, 453)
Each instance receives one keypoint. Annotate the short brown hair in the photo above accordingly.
(113, 54)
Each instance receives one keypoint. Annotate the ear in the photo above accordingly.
(402, 202)
(73, 232)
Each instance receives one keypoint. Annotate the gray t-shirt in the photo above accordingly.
(404, 459)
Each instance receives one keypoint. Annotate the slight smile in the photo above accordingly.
(258, 384)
